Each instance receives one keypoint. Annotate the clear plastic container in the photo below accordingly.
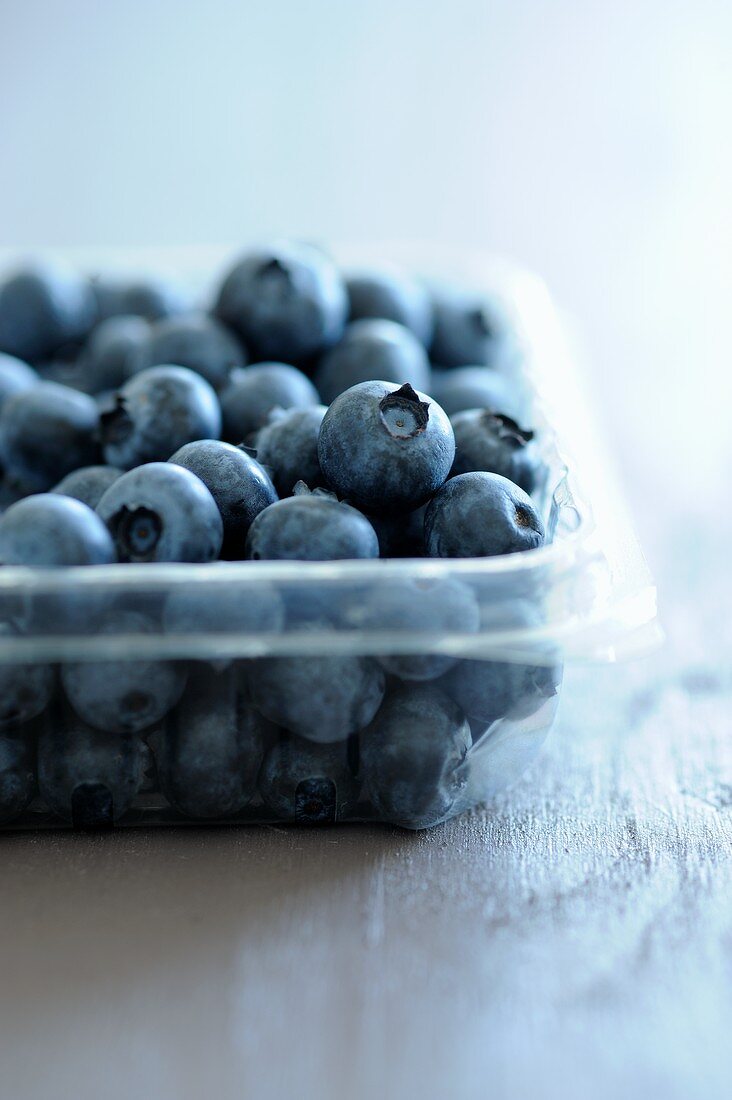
(388, 718)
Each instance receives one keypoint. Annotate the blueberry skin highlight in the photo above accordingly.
(123, 696)
(373, 349)
(253, 392)
(156, 413)
(480, 515)
(323, 699)
(42, 308)
(413, 757)
(392, 296)
(489, 690)
(421, 606)
(490, 441)
(311, 527)
(209, 751)
(308, 783)
(25, 690)
(469, 330)
(15, 377)
(288, 302)
(464, 388)
(385, 448)
(236, 481)
(197, 341)
(53, 530)
(162, 512)
(113, 353)
(88, 484)
(17, 775)
(288, 446)
(46, 432)
(86, 777)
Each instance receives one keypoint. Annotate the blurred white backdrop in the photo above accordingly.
(589, 140)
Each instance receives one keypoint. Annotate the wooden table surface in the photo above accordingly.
(573, 939)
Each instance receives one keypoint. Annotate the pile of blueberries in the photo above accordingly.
(291, 420)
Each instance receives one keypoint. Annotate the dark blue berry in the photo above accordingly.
(400, 535)
(311, 527)
(43, 308)
(88, 484)
(470, 330)
(489, 690)
(493, 442)
(113, 353)
(157, 412)
(45, 433)
(15, 377)
(384, 448)
(124, 695)
(209, 751)
(162, 512)
(322, 698)
(480, 515)
(253, 392)
(372, 349)
(236, 481)
(308, 783)
(17, 775)
(414, 757)
(50, 530)
(417, 611)
(288, 302)
(208, 608)
(288, 446)
(151, 298)
(87, 778)
(197, 341)
(25, 689)
(477, 388)
(393, 296)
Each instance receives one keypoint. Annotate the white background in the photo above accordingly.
(590, 140)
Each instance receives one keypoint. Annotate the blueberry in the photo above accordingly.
(25, 690)
(470, 330)
(311, 527)
(150, 298)
(157, 412)
(42, 308)
(123, 696)
(495, 443)
(113, 353)
(86, 777)
(385, 448)
(162, 512)
(236, 481)
(288, 302)
(393, 296)
(213, 609)
(308, 783)
(369, 350)
(323, 698)
(253, 392)
(15, 377)
(476, 388)
(50, 529)
(209, 751)
(413, 757)
(288, 446)
(479, 515)
(427, 608)
(489, 690)
(45, 433)
(400, 535)
(197, 341)
(17, 775)
(88, 484)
